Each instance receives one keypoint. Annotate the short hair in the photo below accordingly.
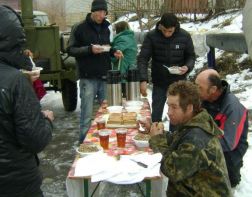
(215, 80)
(169, 20)
(121, 26)
(188, 93)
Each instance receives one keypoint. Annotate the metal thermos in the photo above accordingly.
(133, 85)
(114, 87)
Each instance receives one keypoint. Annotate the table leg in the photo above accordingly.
(86, 192)
(148, 188)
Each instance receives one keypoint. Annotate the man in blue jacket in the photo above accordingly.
(92, 61)
(167, 45)
(230, 115)
(25, 130)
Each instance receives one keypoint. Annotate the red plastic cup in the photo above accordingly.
(104, 138)
(121, 137)
(100, 123)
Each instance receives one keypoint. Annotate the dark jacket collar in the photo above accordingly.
(225, 91)
(104, 24)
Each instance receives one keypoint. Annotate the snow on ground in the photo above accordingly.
(242, 80)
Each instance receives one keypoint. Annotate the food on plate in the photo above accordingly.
(141, 140)
(129, 118)
(88, 148)
(115, 118)
(142, 137)
(174, 70)
(129, 114)
(126, 118)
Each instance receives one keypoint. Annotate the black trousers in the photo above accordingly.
(159, 96)
(234, 169)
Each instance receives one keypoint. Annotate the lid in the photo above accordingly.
(133, 75)
(113, 77)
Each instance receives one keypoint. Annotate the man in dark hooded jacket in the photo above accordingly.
(167, 45)
(25, 130)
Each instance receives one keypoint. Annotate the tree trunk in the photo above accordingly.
(219, 6)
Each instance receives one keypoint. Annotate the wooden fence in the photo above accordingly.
(186, 6)
(176, 6)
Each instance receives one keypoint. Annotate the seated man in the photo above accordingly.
(192, 156)
(230, 115)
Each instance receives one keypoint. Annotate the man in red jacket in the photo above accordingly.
(230, 115)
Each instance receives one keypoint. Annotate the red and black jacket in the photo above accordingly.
(232, 117)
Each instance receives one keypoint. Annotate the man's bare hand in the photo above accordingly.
(96, 49)
(183, 70)
(156, 129)
(48, 114)
(143, 88)
(118, 54)
(28, 53)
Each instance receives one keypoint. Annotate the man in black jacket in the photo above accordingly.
(25, 130)
(92, 61)
(167, 45)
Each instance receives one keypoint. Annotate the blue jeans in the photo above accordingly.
(89, 89)
(159, 96)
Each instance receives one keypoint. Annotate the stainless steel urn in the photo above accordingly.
(114, 87)
(133, 85)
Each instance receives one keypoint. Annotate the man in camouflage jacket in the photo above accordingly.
(192, 156)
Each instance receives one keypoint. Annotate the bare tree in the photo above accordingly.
(142, 8)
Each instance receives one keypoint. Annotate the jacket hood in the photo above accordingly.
(127, 33)
(11, 32)
(204, 121)
(12, 39)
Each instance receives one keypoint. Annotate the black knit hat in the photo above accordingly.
(99, 5)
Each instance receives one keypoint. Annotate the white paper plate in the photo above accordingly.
(83, 154)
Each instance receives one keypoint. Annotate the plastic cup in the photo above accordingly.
(100, 123)
(121, 137)
(104, 138)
